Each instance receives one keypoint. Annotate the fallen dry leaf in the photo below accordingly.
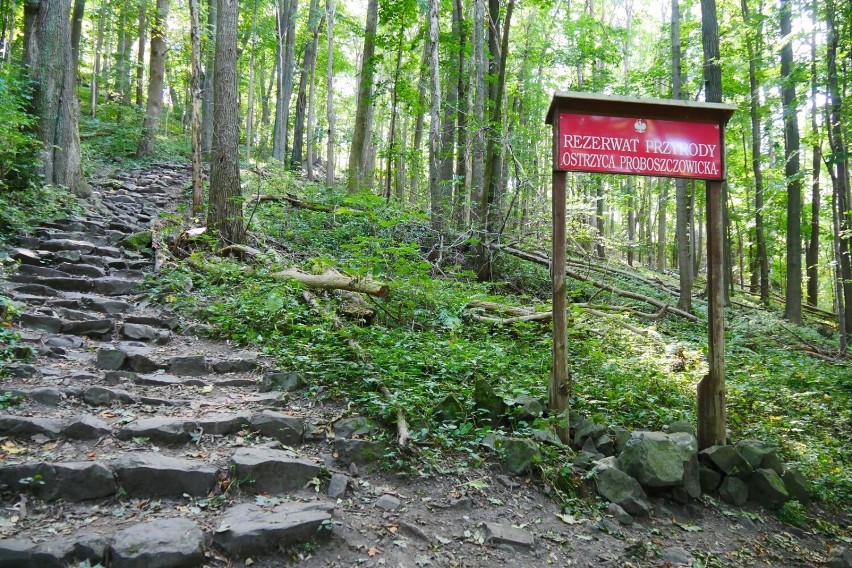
(372, 551)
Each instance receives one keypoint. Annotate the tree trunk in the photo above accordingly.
(362, 131)
(812, 254)
(394, 115)
(96, 69)
(661, 225)
(329, 167)
(309, 146)
(448, 124)
(287, 32)
(631, 221)
(76, 31)
(438, 213)
(414, 182)
(140, 56)
(250, 107)
(684, 260)
(480, 94)
(462, 151)
(195, 121)
(48, 56)
(208, 79)
(156, 75)
(793, 296)
(225, 207)
(308, 62)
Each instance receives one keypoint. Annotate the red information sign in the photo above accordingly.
(639, 146)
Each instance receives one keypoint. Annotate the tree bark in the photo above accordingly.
(329, 167)
(462, 152)
(47, 54)
(96, 69)
(195, 120)
(208, 79)
(414, 183)
(793, 296)
(156, 76)
(812, 254)
(308, 63)
(225, 208)
(287, 10)
(76, 31)
(140, 56)
(438, 213)
(361, 133)
(684, 260)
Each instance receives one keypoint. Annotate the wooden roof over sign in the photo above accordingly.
(615, 105)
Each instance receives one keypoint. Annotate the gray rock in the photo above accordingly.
(71, 481)
(527, 407)
(692, 477)
(81, 269)
(164, 380)
(337, 485)
(67, 284)
(109, 286)
(242, 365)
(518, 454)
(15, 552)
(619, 514)
(362, 452)
(622, 436)
(100, 396)
(604, 445)
(734, 490)
(161, 430)
(709, 479)
(47, 396)
(194, 365)
(359, 426)
(449, 409)
(682, 426)
(36, 290)
(224, 424)
(677, 556)
(41, 322)
(113, 378)
(285, 381)
(85, 427)
(26, 256)
(110, 359)
(34, 270)
(66, 551)
(586, 429)
(839, 557)
(546, 436)
(796, 485)
(64, 342)
(285, 428)
(753, 451)
(139, 332)
(489, 405)
(498, 533)
(89, 328)
(246, 530)
(388, 503)
(272, 471)
(153, 475)
(139, 361)
(656, 459)
(726, 459)
(767, 488)
(162, 543)
(617, 487)
(53, 245)
(104, 305)
(21, 426)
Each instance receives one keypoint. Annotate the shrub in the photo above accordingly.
(18, 152)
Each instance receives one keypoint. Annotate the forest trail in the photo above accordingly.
(134, 441)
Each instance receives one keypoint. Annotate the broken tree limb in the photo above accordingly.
(523, 255)
(336, 281)
(295, 202)
(524, 314)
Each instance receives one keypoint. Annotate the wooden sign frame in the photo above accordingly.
(711, 389)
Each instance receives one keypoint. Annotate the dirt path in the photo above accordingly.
(133, 442)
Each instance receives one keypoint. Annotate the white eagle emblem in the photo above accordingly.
(640, 126)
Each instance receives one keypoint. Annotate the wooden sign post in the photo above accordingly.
(648, 137)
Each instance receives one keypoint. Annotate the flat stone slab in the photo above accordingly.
(81, 269)
(72, 481)
(68, 284)
(273, 471)
(193, 365)
(29, 426)
(497, 533)
(53, 245)
(91, 328)
(163, 430)
(85, 427)
(166, 380)
(139, 332)
(41, 322)
(109, 286)
(153, 475)
(47, 396)
(163, 543)
(104, 305)
(222, 424)
(100, 396)
(285, 428)
(246, 530)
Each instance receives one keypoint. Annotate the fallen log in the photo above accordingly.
(523, 255)
(295, 202)
(336, 281)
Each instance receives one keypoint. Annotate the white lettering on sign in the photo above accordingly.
(580, 142)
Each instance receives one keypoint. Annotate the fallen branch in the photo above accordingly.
(603, 286)
(524, 314)
(242, 252)
(336, 281)
(295, 202)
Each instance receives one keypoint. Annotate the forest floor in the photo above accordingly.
(259, 468)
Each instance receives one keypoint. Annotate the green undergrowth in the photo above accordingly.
(424, 345)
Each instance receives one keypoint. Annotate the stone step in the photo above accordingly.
(139, 359)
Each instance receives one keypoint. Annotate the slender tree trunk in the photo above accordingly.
(140, 56)
(250, 107)
(329, 169)
(462, 152)
(76, 31)
(394, 115)
(414, 183)
(225, 208)
(631, 221)
(96, 69)
(156, 75)
(47, 54)
(684, 260)
(812, 255)
(793, 297)
(360, 137)
(480, 94)
(448, 124)
(309, 146)
(661, 225)
(600, 250)
(287, 10)
(308, 62)
(438, 213)
(195, 121)
(208, 80)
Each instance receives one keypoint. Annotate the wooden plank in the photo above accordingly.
(559, 389)
(711, 389)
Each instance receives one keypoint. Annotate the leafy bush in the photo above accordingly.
(18, 152)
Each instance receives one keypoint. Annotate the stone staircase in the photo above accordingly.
(128, 443)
